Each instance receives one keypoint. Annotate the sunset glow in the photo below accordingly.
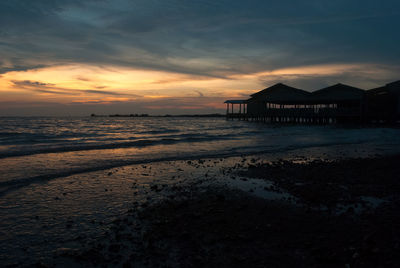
(199, 133)
(90, 84)
(139, 57)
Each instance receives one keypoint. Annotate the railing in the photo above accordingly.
(310, 112)
(305, 112)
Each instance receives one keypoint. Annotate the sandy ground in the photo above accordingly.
(257, 213)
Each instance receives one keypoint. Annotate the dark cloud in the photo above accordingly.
(113, 93)
(13, 68)
(28, 83)
(368, 78)
(53, 89)
(200, 93)
(235, 36)
(202, 38)
(48, 91)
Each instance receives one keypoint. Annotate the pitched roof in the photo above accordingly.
(394, 87)
(281, 93)
(377, 91)
(235, 101)
(338, 92)
(391, 88)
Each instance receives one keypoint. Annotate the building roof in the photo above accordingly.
(284, 94)
(377, 91)
(338, 92)
(391, 88)
(281, 94)
(394, 87)
(236, 101)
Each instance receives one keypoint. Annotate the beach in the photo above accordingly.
(309, 213)
(198, 193)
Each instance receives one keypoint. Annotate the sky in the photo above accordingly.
(77, 57)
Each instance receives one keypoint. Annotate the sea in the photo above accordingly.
(63, 180)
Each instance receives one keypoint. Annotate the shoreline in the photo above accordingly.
(308, 228)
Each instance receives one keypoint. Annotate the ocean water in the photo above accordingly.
(63, 179)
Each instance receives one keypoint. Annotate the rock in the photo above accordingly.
(40, 264)
(155, 188)
(127, 264)
(350, 210)
(66, 252)
(220, 197)
(114, 248)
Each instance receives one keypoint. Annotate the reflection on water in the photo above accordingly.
(63, 180)
(33, 149)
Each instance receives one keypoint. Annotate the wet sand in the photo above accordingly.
(257, 213)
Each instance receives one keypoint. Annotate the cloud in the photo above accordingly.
(28, 83)
(200, 93)
(104, 92)
(311, 78)
(16, 68)
(232, 36)
(49, 88)
(83, 78)
(202, 41)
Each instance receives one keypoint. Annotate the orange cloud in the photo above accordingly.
(80, 83)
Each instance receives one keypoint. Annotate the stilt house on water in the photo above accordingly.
(335, 104)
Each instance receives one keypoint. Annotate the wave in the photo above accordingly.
(7, 134)
(15, 184)
(19, 138)
(129, 144)
(160, 131)
(7, 186)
